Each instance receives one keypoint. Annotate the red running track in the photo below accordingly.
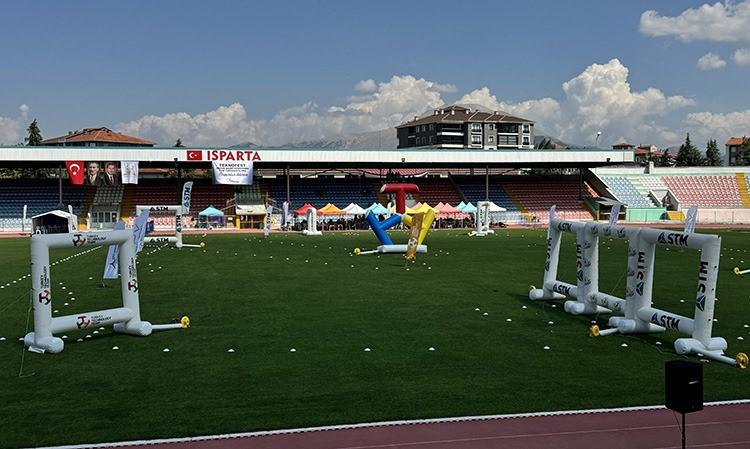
(725, 426)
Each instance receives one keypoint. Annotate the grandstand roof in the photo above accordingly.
(269, 158)
(97, 135)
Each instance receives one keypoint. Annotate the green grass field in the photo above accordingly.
(263, 297)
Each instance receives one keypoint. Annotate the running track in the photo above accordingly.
(720, 425)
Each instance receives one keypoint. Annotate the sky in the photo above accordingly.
(225, 72)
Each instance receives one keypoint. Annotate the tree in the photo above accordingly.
(665, 160)
(713, 159)
(688, 155)
(34, 138)
(745, 150)
(178, 144)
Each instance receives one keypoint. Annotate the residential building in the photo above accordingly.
(96, 137)
(467, 126)
(623, 146)
(734, 154)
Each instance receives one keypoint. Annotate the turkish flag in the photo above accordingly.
(195, 155)
(75, 171)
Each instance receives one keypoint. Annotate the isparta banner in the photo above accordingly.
(233, 173)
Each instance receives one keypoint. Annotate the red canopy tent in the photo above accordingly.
(303, 210)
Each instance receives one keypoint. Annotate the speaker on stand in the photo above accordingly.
(683, 388)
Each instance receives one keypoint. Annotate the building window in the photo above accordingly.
(476, 127)
(492, 126)
(507, 140)
(526, 128)
(491, 139)
(424, 128)
(507, 128)
(525, 140)
(432, 127)
(432, 139)
(476, 140)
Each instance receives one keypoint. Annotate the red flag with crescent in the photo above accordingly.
(75, 171)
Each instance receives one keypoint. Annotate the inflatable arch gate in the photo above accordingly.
(380, 228)
(639, 314)
(126, 319)
(176, 239)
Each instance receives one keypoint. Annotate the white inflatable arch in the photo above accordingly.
(176, 239)
(126, 319)
(639, 314)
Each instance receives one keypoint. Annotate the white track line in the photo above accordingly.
(377, 424)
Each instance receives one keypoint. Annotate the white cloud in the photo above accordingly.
(599, 99)
(542, 110)
(366, 86)
(708, 125)
(711, 61)
(393, 102)
(225, 125)
(741, 56)
(720, 22)
(12, 128)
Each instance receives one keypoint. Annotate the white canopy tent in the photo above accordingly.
(54, 222)
(354, 209)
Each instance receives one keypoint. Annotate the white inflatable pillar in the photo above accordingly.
(312, 222)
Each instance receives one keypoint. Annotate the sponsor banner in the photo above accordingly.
(75, 171)
(222, 155)
(139, 230)
(111, 265)
(614, 215)
(257, 209)
(692, 215)
(285, 211)
(187, 191)
(129, 172)
(233, 173)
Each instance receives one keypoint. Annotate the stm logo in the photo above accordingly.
(133, 285)
(82, 322)
(594, 231)
(665, 321)
(639, 288)
(79, 240)
(579, 275)
(621, 233)
(565, 227)
(546, 266)
(700, 302)
(673, 238)
(45, 297)
(562, 289)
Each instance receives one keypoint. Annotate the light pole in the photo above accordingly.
(596, 141)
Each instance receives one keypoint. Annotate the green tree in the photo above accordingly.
(665, 160)
(688, 155)
(745, 149)
(713, 159)
(178, 144)
(34, 138)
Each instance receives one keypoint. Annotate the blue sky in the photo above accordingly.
(78, 64)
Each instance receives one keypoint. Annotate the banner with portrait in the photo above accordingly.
(96, 173)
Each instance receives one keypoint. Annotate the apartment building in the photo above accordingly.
(467, 126)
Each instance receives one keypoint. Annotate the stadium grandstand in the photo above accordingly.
(582, 184)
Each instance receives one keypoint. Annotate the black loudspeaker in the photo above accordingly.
(683, 386)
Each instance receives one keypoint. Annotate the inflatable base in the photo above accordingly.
(306, 232)
(399, 249)
(481, 233)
